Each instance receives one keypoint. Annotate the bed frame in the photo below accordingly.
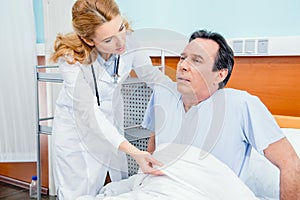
(270, 78)
(287, 121)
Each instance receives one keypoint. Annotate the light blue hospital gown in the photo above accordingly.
(227, 124)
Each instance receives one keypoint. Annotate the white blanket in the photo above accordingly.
(189, 174)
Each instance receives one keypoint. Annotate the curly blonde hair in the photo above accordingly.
(87, 16)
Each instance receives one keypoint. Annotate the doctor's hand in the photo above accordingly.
(146, 162)
(144, 159)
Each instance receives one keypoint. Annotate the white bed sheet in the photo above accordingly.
(188, 175)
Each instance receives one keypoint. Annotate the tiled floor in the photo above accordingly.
(10, 192)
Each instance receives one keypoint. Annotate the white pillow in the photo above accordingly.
(293, 135)
(262, 176)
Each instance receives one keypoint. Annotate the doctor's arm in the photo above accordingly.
(145, 71)
(282, 154)
(94, 129)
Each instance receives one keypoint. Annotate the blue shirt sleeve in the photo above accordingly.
(260, 127)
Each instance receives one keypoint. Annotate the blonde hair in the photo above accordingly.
(87, 16)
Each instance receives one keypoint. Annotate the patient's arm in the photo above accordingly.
(151, 143)
(282, 154)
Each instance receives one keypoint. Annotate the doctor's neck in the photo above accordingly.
(105, 56)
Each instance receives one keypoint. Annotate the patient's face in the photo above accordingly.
(194, 70)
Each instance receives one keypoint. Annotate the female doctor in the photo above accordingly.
(88, 141)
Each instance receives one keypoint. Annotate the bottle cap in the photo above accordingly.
(34, 178)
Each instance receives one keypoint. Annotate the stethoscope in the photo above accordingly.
(115, 77)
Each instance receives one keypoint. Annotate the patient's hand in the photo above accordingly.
(146, 162)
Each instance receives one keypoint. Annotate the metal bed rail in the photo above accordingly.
(42, 77)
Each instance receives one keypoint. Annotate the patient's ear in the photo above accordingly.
(222, 74)
(88, 41)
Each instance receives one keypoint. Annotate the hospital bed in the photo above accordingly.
(263, 177)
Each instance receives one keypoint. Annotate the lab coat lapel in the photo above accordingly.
(102, 73)
(123, 71)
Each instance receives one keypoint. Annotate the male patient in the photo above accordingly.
(225, 122)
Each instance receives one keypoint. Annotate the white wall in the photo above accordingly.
(274, 21)
(17, 82)
(233, 18)
(57, 19)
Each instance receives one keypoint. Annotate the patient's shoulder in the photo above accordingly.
(238, 96)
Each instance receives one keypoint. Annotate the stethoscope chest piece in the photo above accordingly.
(115, 76)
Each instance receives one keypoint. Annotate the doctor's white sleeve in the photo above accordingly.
(96, 132)
(146, 72)
(141, 62)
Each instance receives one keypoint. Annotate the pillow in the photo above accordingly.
(293, 135)
(262, 176)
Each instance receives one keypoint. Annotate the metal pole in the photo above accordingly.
(38, 162)
(163, 61)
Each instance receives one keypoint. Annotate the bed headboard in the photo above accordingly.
(287, 121)
(274, 79)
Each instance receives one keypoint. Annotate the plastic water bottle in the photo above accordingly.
(33, 188)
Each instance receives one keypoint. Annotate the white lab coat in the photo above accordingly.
(86, 138)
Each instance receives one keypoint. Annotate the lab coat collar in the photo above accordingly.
(103, 73)
(108, 62)
(100, 68)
